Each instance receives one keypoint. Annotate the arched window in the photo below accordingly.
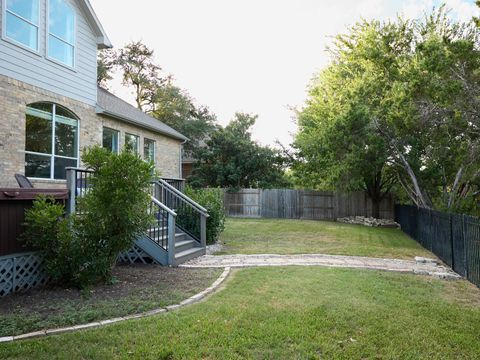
(51, 141)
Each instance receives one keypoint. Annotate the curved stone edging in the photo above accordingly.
(191, 300)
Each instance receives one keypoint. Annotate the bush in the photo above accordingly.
(212, 200)
(82, 249)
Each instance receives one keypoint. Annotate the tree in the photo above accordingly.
(400, 97)
(106, 62)
(140, 71)
(338, 146)
(175, 107)
(231, 159)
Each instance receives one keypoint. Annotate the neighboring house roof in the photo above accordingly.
(102, 39)
(111, 105)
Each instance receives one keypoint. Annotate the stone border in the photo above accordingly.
(191, 300)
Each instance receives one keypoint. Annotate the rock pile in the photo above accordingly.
(369, 221)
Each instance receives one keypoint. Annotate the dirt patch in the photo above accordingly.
(137, 288)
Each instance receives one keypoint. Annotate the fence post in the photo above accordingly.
(72, 189)
(452, 239)
(465, 249)
(171, 239)
(203, 230)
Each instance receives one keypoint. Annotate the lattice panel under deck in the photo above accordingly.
(135, 255)
(21, 272)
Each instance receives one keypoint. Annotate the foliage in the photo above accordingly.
(398, 103)
(231, 159)
(156, 94)
(81, 250)
(47, 229)
(140, 71)
(115, 209)
(212, 200)
(176, 108)
(105, 66)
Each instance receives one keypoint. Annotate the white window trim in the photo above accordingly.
(47, 37)
(15, 42)
(154, 149)
(118, 137)
(52, 156)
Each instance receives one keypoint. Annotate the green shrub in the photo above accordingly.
(82, 249)
(212, 200)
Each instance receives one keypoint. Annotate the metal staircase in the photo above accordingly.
(178, 233)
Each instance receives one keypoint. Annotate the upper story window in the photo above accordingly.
(132, 143)
(61, 32)
(51, 141)
(22, 21)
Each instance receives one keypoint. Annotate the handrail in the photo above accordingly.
(199, 207)
(170, 211)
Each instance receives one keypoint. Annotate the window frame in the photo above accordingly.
(137, 152)
(117, 132)
(48, 34)
(16, 42)
(52, 156)
(154, 149)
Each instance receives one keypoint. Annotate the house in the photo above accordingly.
(50, 105)
(51, 109)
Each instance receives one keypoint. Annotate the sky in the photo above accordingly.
(255, 56)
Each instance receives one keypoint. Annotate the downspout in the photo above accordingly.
(181, 158)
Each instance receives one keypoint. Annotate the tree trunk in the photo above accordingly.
(376, 208)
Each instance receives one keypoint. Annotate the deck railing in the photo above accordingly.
(162, 231)
(191, 217)
(178, 184)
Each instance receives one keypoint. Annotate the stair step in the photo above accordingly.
(178, 237)
(184, 245)
(186, 255)
(160, 229)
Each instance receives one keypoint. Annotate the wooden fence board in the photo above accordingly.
(302, 204)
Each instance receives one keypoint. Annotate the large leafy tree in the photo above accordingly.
(231, 159)
(400, 97)
(176, 108)
(338, 144)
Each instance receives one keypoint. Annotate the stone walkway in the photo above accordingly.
(419, 266)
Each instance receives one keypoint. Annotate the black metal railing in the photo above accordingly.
(164, 220)
(178, 184)
(191, 217)
(79, 181)
(454, 238)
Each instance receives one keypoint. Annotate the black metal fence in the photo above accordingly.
(454, 238)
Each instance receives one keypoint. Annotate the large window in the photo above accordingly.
(149, 150)
(132, 143)
(61, 32)
(110, 140)
(21, 22)
(51, 141)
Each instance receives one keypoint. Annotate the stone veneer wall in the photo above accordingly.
(16, 95)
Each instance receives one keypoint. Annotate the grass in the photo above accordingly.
(138, 289)
(265, 236)
(293, 313)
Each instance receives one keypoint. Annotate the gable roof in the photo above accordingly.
(102, 39)
(112, 106)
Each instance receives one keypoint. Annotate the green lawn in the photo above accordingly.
(265, 236)
(293, 313)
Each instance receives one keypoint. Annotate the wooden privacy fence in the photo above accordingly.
(454, 238)
(302, 204)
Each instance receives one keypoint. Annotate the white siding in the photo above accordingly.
(79, 83)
